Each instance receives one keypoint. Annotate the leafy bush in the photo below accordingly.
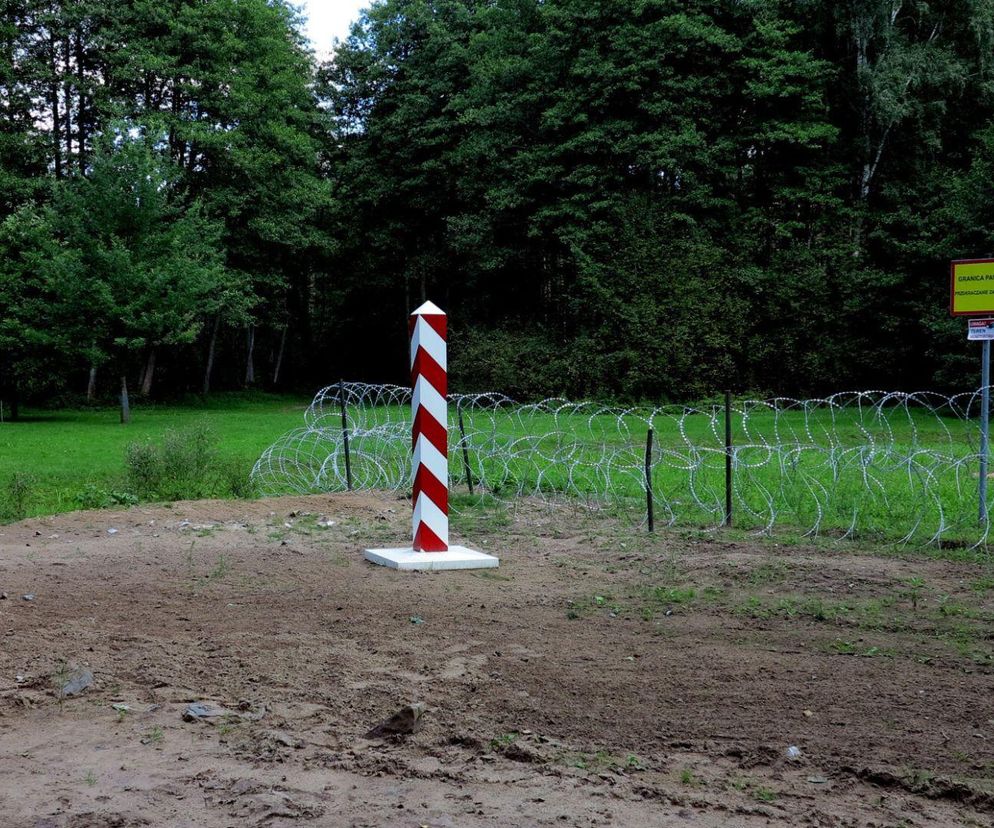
(182, 466)
(93, 497)
(143, 462)
(237, 480)
(17, 494)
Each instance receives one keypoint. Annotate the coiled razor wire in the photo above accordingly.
(863, 464)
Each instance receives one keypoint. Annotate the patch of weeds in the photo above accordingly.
(90, 778)
(819, 610)
(985, 584)
(475, 514)
(18, 492)
(687, 777)
(914, 591)
(93, 497)
(918, 778)
(182, 466)
(673, 595)
(752, 607)
(771, 572)
(762, 794)
(948, 608)
(593, 761)
(633, 762)
(490, 575)
(60, 677)
(849, 648)
(237, 480)
(503, 741)
(221, 568)
(154, 736)
(813, 608)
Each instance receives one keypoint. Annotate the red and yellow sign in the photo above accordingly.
(972, 287)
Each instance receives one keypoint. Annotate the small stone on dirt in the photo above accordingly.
(416, 619)
(29, 597)
(402, 723)
(817, 780)
(794, 752)
(281, 737)
(79, 680)
(199, 711)
(112, 531)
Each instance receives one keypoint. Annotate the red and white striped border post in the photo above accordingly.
(430, 413)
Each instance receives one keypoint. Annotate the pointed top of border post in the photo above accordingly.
(429, 309)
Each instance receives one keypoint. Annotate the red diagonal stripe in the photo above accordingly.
(425, 366)
(427, 484)
(432, 429)
(427, 541)
(438, 322)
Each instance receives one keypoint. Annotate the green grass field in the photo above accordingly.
(63, 452)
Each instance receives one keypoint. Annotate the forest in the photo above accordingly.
(624, 199)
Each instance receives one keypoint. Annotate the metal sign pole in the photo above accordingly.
(985, 412)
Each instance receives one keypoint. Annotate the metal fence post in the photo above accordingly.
(465, 450)
(648, 480)
(345, 435)
(728, 458)
(985, 414)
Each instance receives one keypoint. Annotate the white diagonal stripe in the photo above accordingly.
(425, 454)
(426, 337)
(434, 403)
(425, 511)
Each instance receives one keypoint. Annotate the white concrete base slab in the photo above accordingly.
(458, 557)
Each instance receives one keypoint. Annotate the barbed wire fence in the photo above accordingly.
(886, 466)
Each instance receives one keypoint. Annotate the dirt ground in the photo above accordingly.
(599, 677)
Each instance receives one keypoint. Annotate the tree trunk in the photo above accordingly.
(249, 361)
(210, 355)
(125, 402)
(279, 357)
(56, 126)
(15, 403)
(148, 374)
(67, 97)
(81, 104)
(91, 386)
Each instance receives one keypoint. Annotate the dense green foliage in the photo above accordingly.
(629, 198)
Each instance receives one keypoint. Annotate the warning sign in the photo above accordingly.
(980, 329)
(972, 287)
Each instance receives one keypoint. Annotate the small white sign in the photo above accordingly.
(980, 329)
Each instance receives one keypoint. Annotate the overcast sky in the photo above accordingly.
(328, 19)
